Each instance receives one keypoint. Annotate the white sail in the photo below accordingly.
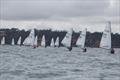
(3, 41)
(27, 41)
(67, 39)
(19, 41)
(30, 39)
(43, 41)
(36, 39)
(52, 42)
(82, 38)
(32, 36)
(106, 37)
(13, 41)
(57, 42)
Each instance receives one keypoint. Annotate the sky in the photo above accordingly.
(60, 14)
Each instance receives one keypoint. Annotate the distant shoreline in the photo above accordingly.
(92, 39)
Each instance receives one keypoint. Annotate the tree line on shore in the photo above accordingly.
(92, 39)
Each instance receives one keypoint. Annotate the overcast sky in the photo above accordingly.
(60, 14)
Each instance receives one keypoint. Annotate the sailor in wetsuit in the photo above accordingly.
(84, 50)
(69, 48)
(112, 51)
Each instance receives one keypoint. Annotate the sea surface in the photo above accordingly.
(26, 63)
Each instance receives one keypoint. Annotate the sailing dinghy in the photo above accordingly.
(57, 42)
(43, 41)
(52, 42)
(81, 40)
(19, 41)
(67, 40)
(3, 41)
(106, 38)
(29, 41)
(13, 41)
(35, 42)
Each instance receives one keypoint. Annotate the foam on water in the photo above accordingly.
(25, 63)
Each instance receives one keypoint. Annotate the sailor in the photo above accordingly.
(35, 46)
(112, 51)
(69, 48)
(45, 46)
(84, 50)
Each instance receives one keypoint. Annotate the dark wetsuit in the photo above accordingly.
(84, 50)
(112, 51)
(69, 48)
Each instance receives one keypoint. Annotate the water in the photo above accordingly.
(25, 63)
